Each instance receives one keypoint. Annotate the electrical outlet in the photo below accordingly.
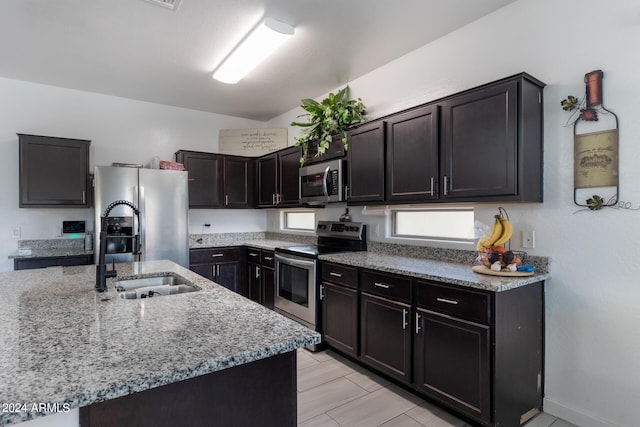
(16, 232)
(529, 239)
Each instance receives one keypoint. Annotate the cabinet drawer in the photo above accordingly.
(340, 274)
(386, 285)
(213, 255)
(253, 255)
(461, 303)
(268, 259)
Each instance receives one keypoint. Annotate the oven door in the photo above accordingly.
(296, 288)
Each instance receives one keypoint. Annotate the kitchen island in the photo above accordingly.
(65, 346)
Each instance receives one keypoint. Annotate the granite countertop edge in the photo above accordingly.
(445, 272)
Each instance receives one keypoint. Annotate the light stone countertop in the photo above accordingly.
(436, 270)
(61, 342)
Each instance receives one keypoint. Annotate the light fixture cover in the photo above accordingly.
(263, 40)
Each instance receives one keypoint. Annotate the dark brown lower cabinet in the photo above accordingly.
(452, 363)
(340, 317)
(42, 262)
(224, 266)
(260, 393)
(268, 287)
(385, 337)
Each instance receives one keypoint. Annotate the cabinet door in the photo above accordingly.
(412, 155)
(479, 143)
(340, 317)
(205, 178)
(268, 287)
(452, 363)
(267, 180)
(228, 275)
(288, 167)
(239, 182)
(334, 151)
(53, 171)
(366, 163)
(255, 282)
(205, 270)
(385, 336)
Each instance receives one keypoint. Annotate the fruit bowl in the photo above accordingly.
(500, 259)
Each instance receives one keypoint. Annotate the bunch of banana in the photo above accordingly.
(500, 234)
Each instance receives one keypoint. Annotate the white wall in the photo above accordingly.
(593, 298)
(120, 130)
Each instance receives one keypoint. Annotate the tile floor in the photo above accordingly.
(333, 391)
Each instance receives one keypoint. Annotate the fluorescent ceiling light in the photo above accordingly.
(263, 40)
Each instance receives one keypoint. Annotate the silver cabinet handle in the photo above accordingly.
(418, 323)
(84, 197)
(278, 198)
(447, 301)
(226, 200)
(346, 192)
(216, 255)
(404, 319)
(321, 292)
(257, 272)
(332, 273)
(381, 285)
(269, 258)
(445, 185)
(253, 254)
(432, 182)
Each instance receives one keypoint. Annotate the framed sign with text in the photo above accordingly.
(251, 142)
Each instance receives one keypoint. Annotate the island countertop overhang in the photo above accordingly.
(64, 343)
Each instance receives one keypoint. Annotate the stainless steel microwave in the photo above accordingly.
(323, 182)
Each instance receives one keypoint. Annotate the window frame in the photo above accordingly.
(392, 225)
(284, 219)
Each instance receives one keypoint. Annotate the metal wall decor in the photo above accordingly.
(595, 135)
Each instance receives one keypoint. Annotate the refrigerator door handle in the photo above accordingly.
(141, 230)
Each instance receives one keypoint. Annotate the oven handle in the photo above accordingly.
(295, 262)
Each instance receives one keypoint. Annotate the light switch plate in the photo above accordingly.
(529, 239)
(16, 232)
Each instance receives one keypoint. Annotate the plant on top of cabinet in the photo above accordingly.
(331, 116)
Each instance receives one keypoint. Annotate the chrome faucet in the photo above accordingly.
(101, 268)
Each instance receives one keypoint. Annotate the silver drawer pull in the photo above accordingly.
(251, 254)
(268, 258)
(216, 255)
(331, 273)
(381, 285)
(448, 301)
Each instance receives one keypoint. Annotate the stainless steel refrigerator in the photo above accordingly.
(161, 197)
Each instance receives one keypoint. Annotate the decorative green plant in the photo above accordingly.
(327, 118)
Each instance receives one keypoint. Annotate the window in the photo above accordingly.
(299, 220)
(434, 224)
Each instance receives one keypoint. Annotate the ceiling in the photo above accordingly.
(136, 49)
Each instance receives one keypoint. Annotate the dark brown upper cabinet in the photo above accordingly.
(412, 155)
(335, 151)
(54, 172)
(366, 164)
(219, 181)
(492, 142)
(239, 182)
(205, 178)
(278, 181)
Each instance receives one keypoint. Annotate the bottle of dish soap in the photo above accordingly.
(345, 217)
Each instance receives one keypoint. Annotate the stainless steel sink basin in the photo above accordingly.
(154, 286)
(125, 284)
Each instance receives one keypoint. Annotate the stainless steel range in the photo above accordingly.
(297, 269)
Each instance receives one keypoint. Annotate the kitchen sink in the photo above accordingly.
(153, 286)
